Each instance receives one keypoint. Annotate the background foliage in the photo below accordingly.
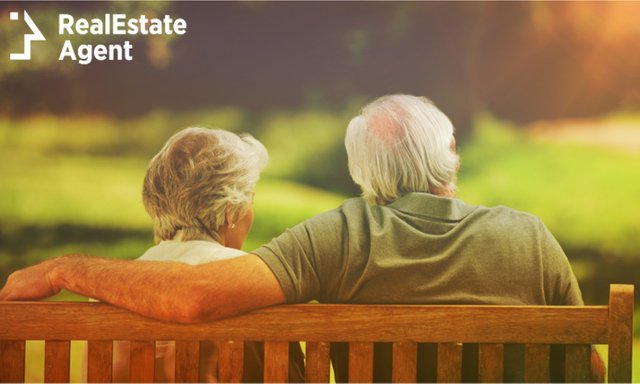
(73, 184)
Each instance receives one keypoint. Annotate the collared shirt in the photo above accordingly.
(422, 249)
(190, 252)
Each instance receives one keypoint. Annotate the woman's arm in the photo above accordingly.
(161, 290)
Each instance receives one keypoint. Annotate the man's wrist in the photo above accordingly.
(58, 271)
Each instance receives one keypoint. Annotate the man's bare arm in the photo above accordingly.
(162, 290)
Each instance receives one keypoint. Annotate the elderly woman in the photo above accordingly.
(198, 191)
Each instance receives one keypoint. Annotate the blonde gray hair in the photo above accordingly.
(197, 177)
(401, 144)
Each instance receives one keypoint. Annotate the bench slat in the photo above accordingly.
(577, 364)
(12, 358)
(449, 363)
(187, 361)
(405, 359)
(318, 322)
(99, 361)
(490, 363)
(230, 363)
(620, 332)
(56, 361)
(276, 361)
(360, 362)
(317, 367)
(142, 366)
(208, 360)
(536, 363)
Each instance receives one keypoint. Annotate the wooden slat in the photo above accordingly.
(449, 363)
(99, 361)
(121, 361)
(208, 360)
(12, 357)
(577, 363)
(490, 363)
(620, 333)
(405, 360)
(318, 322)
(56, 361)
(143, 359)
(536, 363)
(317, 367)
(230, 365)
(276, 362)
(187, 361)
(360, 362)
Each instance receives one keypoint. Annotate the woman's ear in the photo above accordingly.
(453, 144)
(229, 220)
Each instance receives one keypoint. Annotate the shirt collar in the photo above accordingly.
(179, 236)
(438, 207)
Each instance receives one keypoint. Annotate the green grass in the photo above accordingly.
(587, 196)
(73, 190)
(56, 169)
(299, 137)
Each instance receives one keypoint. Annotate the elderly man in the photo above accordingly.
(408, 240)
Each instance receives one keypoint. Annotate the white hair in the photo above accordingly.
(197, 177)
(401, 144)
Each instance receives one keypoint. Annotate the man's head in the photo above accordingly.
(401, 144)
(201, 184)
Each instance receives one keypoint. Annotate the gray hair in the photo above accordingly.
(401, 144)
(196, 177)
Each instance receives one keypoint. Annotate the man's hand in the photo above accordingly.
(31, 283)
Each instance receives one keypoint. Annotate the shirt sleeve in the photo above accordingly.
(299, 256)
(561, 285)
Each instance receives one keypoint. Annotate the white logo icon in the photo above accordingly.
(35, 35)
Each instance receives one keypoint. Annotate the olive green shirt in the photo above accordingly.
(422, 249)
(429, 250)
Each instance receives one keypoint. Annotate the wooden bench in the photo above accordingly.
(448, 326)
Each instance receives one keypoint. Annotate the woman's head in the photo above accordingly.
(201, 185)
(401, 144)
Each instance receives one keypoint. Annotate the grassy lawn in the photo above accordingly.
(587, 195)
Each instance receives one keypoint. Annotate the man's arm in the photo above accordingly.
(162, 290)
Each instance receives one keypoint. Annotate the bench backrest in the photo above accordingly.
(447, 326)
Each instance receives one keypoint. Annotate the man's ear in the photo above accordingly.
(453, 144)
